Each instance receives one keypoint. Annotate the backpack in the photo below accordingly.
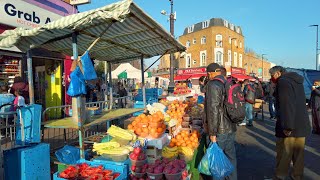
(259, 92)
(234, 102)
(250, 95)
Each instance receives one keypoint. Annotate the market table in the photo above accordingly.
(105, 116)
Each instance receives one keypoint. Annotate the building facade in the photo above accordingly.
(256, 66)
(215, 40)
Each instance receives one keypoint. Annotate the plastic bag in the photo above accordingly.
(68, 154)
(77, 85)
(88, 68)
(215, 163)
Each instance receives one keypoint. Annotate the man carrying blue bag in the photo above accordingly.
(218, 126)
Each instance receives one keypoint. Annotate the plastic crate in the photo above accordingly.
(160, 142)
(29, 162)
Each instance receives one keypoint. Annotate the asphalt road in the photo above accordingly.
(256, 152)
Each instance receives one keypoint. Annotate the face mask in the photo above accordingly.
(274, 80)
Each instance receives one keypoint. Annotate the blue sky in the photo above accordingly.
(278, 28)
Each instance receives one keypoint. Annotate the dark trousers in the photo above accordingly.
(226, 143)
(272, 109)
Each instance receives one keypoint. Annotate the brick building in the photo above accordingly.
(214, 40)
(253, 66)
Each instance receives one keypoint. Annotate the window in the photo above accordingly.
(240, 44)
(218, 58)
(219, 40)
(203, 40)
(230, 40)
(225, 23)
(194, 41)
(240, 60)
(238, 30)
(205, 24)
(203, 58)
(229, 56)
(235, 43)
(235, 59)
(232, 27)
(190, 29)
(188, 44)
(188, 61)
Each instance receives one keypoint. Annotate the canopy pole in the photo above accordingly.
(155, 61)
(143, 87)
(78, 108)
(110, 84)
(30, 76)
(106, 80)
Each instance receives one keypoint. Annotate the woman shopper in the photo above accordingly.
(314, 105)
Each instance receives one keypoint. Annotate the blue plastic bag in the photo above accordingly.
(69, 155)
(215, 163)
(88, 68)
(77, 85)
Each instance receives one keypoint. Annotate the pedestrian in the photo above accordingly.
(217, 124)
(314, 105)
(18, 83)
(5, 100)
(292, 125)
(269, 97)
(248, 89)
(19, 100)
(202, 81)
(122, 93)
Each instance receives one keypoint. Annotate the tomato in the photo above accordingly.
(115, 175)
(63, 175)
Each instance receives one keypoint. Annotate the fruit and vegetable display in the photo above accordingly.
(186, 139)
(181, 89)
(176, 110)
(196, 111)
(84, 171)
(148, 126)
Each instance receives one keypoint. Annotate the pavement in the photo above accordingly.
(256, 151)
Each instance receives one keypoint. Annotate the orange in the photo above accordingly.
(183, 144)
(194, 144)
(188, 142)
(190, 146)
(191, 138)
(145, 130)
(172, 144)
(179, 137)
(159, 130)
(138, 131)
(178, 143)
(195, 135)
(186, 139)
(153, 130)
(134, 123)
(130, 126)
(174, 140)
(163, 126)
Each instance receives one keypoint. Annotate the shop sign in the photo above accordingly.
(238, 70)
(22, 14)
(78, 2)
(192, 71)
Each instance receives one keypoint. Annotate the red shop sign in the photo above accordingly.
(191, 71)
(238, 71)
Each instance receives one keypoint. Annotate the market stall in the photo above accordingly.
(116, 33)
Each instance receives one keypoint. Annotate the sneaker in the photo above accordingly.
(250, 124)
(242, 124)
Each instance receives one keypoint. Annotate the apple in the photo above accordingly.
(133, 156)
(137, 151)
(133, 168)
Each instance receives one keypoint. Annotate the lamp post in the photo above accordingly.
(172, 19)
(262, 66)
(317, 60)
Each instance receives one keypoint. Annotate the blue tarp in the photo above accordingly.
(309, 77)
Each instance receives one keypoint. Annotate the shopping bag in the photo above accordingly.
(77, 84)
(215, 163)
(89, 72)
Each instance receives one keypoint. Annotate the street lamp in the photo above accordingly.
(231, 50)
(317, 60)
(172, 17)
(262, 66)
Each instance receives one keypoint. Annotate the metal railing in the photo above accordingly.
(58, 137)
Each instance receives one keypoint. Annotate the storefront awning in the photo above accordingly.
(129, 34)
(242, 77)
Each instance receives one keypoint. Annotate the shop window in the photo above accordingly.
(203, 40)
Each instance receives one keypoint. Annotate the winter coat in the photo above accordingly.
(291, 106)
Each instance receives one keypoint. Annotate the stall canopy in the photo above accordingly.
(188, 76)
(132, 72)
(242, 77)
(129, 34)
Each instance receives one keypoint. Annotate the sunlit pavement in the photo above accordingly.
(256, 151)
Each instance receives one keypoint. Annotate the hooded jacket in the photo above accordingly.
(217, 121)
(291, 106)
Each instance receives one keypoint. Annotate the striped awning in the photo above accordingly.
(129, 34)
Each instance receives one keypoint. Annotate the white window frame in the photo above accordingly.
(232, 27)
(240, 44)
(238, 30)
(229, 56)
(203, 40)
(190, 29)
(230, 40)
(188, 57)
(225, 23)
(240, 60)
(194, 41)
(235, 43)
(203, 58)
(218, 58)
(188, 44)
(205, 24)
(219, 40)
(235, 59)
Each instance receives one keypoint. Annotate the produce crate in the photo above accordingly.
(160, 142)
(118, 167)
(29, 162)
(153, 151)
